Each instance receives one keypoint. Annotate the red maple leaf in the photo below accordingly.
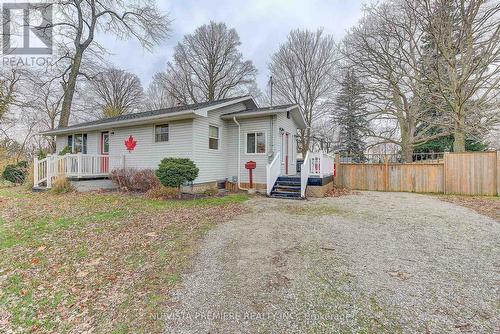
(130, 143)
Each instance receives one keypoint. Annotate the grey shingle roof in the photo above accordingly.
(265, 109)
(151, 113)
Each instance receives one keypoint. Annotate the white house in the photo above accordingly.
(221, 137)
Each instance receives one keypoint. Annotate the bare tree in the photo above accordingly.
(465, 36)
(158, 95)
(9, 82)
(116, 93)
(303, 73)
(384, 50)
(208, 66)
(78, 22)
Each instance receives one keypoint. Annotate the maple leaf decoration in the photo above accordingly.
(130, 144)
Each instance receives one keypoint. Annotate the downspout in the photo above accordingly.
(239, 154)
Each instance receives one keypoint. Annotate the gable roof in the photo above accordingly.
(294, 109)
(185, 111)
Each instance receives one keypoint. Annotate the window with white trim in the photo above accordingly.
(80, 143)
(161, 133)
(213, 137)
(256, 143)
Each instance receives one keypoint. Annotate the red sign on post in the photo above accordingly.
(250, 165)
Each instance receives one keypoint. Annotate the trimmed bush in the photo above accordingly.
(61, 185)
(174, 172)
(130, 179)
(15, 173)
(161, 192)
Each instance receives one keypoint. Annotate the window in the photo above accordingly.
(161, 133)
(256, 142)
(80, 143)
(213, 137)
(105, 143)
(70, 142)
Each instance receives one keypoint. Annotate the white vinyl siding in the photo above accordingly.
(148, 153)
(213, 163)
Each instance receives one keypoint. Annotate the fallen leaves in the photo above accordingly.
(92, 262)
(399, 274)
(338, 192)
(488, 206)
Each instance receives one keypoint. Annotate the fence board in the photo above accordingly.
(471, 173)
(458, 173)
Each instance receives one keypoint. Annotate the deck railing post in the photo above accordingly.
(49, 162)
(35, 172)
(79, 164)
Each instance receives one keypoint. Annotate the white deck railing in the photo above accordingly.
(317, 164)
(273, 171)
(321, 164)
(74, 166)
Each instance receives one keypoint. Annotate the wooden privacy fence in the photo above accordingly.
(471, 173)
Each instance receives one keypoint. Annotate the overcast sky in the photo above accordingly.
(261, 24)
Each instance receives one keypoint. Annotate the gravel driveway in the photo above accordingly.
(373, 262)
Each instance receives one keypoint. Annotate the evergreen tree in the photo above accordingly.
(350, 115)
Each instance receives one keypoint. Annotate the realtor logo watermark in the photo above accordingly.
(27, 38)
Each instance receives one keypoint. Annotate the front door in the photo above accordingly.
(286, 152)
(104, 160)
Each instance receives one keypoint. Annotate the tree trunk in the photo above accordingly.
(459, 136)
(406, 146)
(69, 89)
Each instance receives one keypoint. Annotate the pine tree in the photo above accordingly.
(350, 115)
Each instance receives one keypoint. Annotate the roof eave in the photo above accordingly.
(185, 114)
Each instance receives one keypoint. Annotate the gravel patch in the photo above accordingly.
(373, 262)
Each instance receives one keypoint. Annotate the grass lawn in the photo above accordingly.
(103, 263)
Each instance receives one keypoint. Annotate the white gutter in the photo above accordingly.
(239, 155)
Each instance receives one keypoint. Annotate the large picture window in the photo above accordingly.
(161, 133)
(256, 143)
(213, 137)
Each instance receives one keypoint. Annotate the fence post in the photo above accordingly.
(49, 171)
(336, 164)
(445, 170)
(386, 172)
(35, 172)
(498, 173)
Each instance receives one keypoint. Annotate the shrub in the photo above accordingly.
(15, 173)
(29, 179)
(66, 150)
(23, 164)
(212, 191)
(130, 179)
(61, 185)
(174, 172)
(161, 192)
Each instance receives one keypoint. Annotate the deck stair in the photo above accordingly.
(287, 187)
